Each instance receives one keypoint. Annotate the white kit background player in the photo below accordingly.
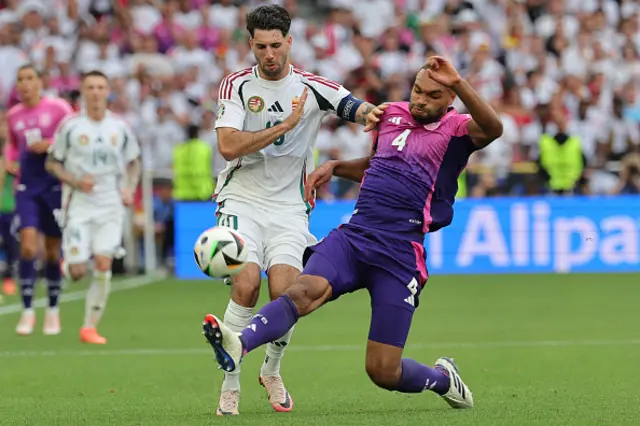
(96, 156)
(267, 123)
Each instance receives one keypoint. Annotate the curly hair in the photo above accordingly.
(269, 17)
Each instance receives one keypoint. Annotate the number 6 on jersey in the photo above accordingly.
(401, 140)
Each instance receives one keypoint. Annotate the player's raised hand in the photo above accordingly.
(442, 71)
(85, 184)
(292, 120)
(373, 117)
(317, 178)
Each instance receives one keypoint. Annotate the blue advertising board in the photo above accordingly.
(492, 235)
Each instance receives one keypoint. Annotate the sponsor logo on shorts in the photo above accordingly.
(255, 104)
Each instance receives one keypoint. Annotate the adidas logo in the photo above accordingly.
(275, 107)
(410, 300)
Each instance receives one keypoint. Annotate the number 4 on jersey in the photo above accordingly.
(401, 140)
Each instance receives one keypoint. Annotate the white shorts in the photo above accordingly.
(273, 238)
(92, 231)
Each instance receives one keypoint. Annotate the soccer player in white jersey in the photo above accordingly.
(96, 156)
(267, 123)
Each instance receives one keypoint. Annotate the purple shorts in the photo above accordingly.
(392, 270)
(39, 211)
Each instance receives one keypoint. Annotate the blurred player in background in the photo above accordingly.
(96, 156)
(31, 126)
(9, 243)
(409, 190)
(267, 123)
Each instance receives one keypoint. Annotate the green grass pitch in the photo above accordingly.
(534, 349)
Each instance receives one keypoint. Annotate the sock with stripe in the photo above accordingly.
(27, 273)
(236, 317)
(416, 378)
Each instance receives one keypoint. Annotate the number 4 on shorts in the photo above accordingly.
(401, 140)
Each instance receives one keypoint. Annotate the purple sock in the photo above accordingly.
(270, 323)
(27, 272)
(52, 274)
(418, 377)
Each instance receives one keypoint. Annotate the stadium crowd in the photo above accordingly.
(563, 70)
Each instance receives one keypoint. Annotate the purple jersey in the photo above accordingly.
(411, 183)
(28, 126)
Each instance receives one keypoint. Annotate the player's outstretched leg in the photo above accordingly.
(27, 274)
(52, 274)
(244, 295)
(271, 322)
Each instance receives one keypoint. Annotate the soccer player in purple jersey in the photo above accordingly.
(31, 126)
(408, 190)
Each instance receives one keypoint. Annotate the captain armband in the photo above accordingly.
(348, 107)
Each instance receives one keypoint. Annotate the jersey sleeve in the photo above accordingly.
(61, 140)
(11, 150)
(131, 147)
(231, 112)
(328, 93)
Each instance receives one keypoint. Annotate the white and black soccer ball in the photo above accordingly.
(220, 252)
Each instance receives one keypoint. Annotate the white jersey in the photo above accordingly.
(101, 149)
(274, 176)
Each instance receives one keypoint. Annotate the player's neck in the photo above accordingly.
(96, 114)
(33, 102)
(285, 72)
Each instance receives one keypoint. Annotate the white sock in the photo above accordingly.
(97, 298)
(275, 352)
(236, 317)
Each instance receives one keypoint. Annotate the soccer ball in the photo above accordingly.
(220, 252)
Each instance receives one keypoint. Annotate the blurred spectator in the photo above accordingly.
(532, 59)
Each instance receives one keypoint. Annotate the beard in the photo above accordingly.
(426, 117)
(272, 72)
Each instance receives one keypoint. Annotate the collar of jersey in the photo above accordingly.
(272, 83)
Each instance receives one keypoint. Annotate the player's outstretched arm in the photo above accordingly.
(352, 170)
(485, 125)
(233, 143)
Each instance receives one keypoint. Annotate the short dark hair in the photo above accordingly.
(269, 17)
(30, 66)
(94, 73)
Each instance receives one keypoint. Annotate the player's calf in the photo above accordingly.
(308, 293)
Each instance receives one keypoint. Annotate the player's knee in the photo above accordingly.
(28, 250)
(77, 272)
(246, 291)
(102, 263)
(385, 374)
(309, 293)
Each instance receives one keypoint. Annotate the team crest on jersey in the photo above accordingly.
(114, 139)
(220, 111)
(84, 139)
(74, 251)
(294, 102)
(255, 104)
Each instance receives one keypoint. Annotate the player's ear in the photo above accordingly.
(289, 40)
(251, 42)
